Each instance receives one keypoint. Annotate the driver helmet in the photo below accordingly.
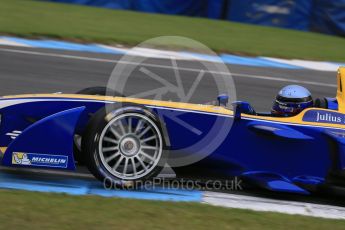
(291, 100)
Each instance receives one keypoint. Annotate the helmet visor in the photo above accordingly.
(291, 106)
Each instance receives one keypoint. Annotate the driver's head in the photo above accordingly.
(291, 100)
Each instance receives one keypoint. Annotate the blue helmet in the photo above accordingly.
(291, 100)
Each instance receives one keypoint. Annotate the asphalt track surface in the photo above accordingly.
(30, 70)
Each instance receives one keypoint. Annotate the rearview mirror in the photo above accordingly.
(237, 109)
(242, 107)
(223, 100)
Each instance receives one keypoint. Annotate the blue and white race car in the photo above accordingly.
(128, 139)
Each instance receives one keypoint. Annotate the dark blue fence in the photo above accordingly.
(199, 8)
(293, 14)
(328, 16)
(325, 16)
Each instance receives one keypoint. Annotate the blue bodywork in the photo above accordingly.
(274, 155)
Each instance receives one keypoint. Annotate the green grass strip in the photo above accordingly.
(74, 22)
(29, 210)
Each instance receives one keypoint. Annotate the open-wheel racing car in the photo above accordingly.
(126, 139)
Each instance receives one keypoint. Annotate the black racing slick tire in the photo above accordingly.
(95, 90)
(100, 90)
(124, 144)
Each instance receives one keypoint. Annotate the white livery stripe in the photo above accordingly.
(10, 102)
(20, 101)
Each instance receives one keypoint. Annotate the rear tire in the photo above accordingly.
(125, 145)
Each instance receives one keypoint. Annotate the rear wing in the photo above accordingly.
(341, 89)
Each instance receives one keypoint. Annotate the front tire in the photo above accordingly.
(124, 145)
(98, 91)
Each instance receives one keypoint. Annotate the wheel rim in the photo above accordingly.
(130, 146)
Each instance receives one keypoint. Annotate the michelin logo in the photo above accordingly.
(39, 160)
